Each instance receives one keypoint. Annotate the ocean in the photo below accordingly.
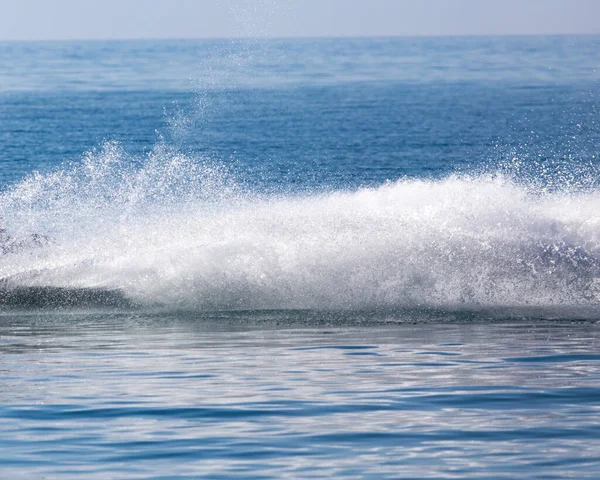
(300, 258)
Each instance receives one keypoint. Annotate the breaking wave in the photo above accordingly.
(177, 232)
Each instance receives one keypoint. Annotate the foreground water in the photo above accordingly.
(306, 258)
(283, 394)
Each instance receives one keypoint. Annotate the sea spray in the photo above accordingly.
(178, 232)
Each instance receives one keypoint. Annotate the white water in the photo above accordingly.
(173, 232)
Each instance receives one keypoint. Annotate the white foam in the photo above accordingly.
(180, 233)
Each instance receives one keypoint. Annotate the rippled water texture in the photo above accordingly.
(283, 394)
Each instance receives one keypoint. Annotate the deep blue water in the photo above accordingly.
(363, 258)
(328, 112)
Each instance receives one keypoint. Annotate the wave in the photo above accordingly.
(177, 232)
(43, 297)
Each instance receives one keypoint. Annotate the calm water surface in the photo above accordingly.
(164, 396)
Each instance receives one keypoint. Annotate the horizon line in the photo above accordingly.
(296, 37)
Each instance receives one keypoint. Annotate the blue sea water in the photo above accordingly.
(363, 258)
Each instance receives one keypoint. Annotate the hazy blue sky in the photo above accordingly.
(93, 19)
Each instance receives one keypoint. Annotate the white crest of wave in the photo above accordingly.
(179, 233)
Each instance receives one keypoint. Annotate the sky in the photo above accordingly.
(131, 19)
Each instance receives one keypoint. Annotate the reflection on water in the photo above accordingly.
(297, 394)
